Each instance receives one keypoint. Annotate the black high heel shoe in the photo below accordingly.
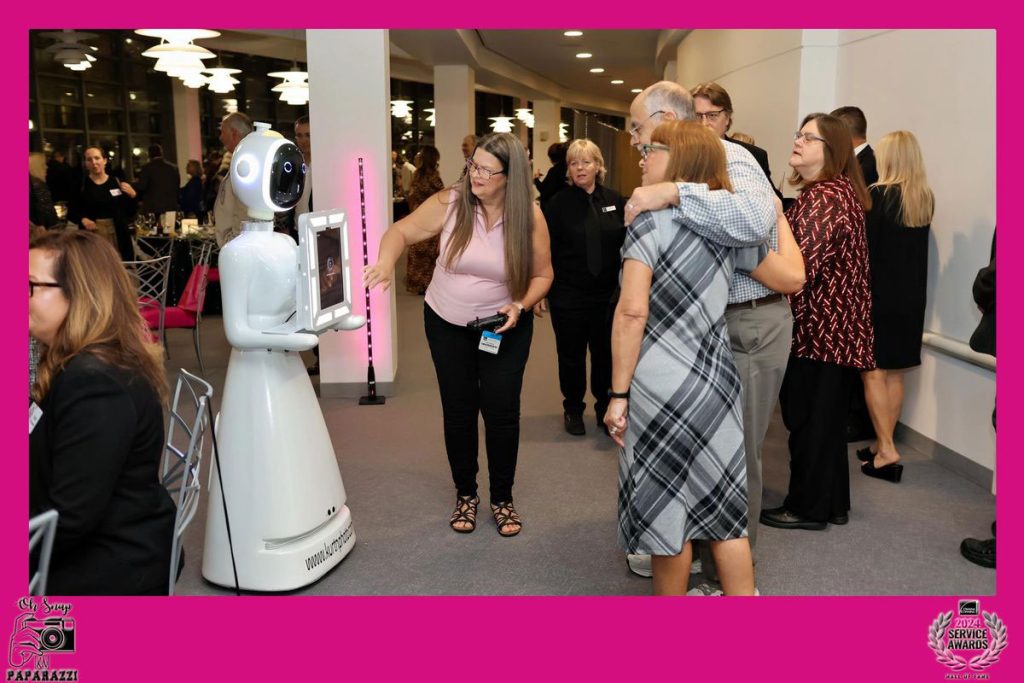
(865, 454)
(892, 472)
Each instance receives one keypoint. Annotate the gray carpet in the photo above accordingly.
(901, 540)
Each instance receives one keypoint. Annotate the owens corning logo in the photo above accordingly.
(42, 629)
(968, 643)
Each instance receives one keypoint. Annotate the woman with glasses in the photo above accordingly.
(675, 404)
(426, 182)
(586, 226)
(105, 205)
(494, 259)
(902, 205)
(832, 328)
(95, 450)
(713, 107)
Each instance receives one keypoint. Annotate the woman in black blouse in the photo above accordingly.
(587, 231)
(106, 205)
(95, 451)
(898, 233)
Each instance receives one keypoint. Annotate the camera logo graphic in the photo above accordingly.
(56, 634)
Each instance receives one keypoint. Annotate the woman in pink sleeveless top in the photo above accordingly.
(495, 258)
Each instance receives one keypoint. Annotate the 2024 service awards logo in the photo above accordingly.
(968, 643)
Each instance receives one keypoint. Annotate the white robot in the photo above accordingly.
(289, 524)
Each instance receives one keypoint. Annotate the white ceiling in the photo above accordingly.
(529, 64)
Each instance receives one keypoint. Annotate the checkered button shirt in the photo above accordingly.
(739, 218)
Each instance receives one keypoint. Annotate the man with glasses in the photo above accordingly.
(713, 107)
(759, 321)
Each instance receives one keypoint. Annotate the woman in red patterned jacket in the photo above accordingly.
(833, 337)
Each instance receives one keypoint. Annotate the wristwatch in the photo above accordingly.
(618, 394)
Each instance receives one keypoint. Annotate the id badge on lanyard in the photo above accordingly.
(490, 342)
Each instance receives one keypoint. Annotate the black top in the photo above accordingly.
(761, 157)
(157, 186)
(94, 456)
(553, 183)
(191, 197)
(570, 216)
(898, 258)
(866, 158)
(106, 200)
(62, 180)
(984, 338)
(40, 206)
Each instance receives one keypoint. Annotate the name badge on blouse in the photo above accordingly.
(608, 209)
(490, 342)
(115, 192)
(34, 414)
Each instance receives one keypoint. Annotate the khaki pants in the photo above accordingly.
(105, 228)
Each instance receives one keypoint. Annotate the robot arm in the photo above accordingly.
(349, 322)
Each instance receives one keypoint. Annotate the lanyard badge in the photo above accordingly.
(490, 342)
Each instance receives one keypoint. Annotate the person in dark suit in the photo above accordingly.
(62, 180)
(855, 120)
(858, 423)
(157, 186)
(556, 179)
(713, 107)
(95, 449)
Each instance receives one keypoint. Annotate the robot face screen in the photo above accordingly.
(287, 176)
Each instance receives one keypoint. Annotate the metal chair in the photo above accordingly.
(183, 456)
(41, 530)
(151, 277)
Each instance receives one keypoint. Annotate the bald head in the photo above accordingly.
(663, 101)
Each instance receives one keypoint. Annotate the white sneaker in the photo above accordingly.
(705, 590)
(640, 565)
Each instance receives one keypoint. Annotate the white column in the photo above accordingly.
(819, 56)
(670, 72)
(188, 139)
(350, 118)
(455, 112)
(547, 114)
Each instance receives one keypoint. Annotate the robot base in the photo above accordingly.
(291, 565)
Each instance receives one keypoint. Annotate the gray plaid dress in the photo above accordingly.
(682, 474)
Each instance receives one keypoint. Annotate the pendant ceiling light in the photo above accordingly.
(68, 49)
(400, 108)
(563, 132)
(294, 90)
(526, 116)
(177, 55)
(431, 117)
(502, 124)
(221, 79)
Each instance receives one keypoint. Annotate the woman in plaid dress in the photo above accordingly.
(675, 406)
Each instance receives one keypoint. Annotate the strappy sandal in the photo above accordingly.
(505, 516)
(464, 513)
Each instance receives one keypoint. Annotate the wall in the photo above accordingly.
(902, 80)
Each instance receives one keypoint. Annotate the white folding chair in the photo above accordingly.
(41, 530)
(183, 455)
(151, 277)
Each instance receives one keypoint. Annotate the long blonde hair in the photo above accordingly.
(103, 316)
(901, 165)
(517, 213)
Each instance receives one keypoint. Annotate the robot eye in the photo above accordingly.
(287, 167)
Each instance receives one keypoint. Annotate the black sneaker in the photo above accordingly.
(981, 553)
(574, 424)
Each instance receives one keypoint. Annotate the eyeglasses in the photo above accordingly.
(635, 130)
(32, 286)
(807, 137)
(485, 173)
(645, 149)
(711, 116)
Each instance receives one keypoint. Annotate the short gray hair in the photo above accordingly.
(238, 122)
(669, 96)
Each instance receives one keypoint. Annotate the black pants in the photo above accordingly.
(474, 382)
(575, 330)
(815, 399)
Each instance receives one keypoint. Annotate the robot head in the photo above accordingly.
(267, 172)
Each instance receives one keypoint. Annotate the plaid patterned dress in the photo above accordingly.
(682, 474)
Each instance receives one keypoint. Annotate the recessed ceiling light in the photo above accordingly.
(618, 81)
(597, 70)
(573, 34)
(637, 90)
(583, 55)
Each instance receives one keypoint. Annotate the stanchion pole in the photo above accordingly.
(371, 398)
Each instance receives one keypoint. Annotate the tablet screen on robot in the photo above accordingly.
(324, 285)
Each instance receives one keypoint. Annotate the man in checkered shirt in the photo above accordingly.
(759, 321)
